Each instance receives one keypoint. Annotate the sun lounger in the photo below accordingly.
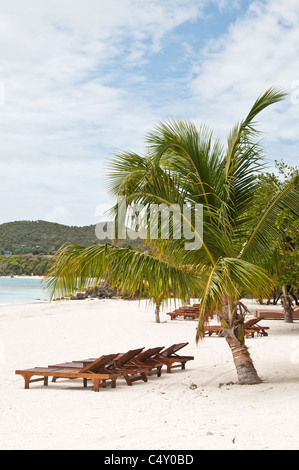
(186, 312)
(210, 329)
(143, 361)
(146, 360)
(121, 364)
(169, 357)
(94, 371)
(275, 314)
(250, 328)
(132, 373)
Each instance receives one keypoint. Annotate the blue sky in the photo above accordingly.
(82, 80)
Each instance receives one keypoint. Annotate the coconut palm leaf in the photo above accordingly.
(129, 270)
(188, 152)
(244, 157)
(126, 172)
(265, 235)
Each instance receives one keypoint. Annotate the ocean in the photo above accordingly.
(20, 290)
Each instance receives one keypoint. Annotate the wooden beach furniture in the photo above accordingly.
(210, 329)
(146, 360)
(121, 364)
(275, 314)
(250, 328)
(186, 312)
(94, 371)
(171, 359)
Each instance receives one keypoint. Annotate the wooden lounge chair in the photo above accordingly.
(186, 312)
(121, 364)
(94, 371)
(250, 328)
(275, 314)
(146, 360)
(210, 329)
(132, 372)
(169, 357)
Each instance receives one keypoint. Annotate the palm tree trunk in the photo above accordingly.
(247, 374)
(157, 312)
(233, 331)
(286, 301)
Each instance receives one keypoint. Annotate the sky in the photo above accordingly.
(83, 80)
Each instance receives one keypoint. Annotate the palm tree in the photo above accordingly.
(183, 166)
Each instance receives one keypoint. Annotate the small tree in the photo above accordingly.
(288, 267)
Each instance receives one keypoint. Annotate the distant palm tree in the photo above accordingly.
(184, 166)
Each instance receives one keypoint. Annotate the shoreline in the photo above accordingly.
(21, 277)
(252, 304)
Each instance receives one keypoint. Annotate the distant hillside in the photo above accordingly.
(42, 237)
(28, 248)
(25, 265)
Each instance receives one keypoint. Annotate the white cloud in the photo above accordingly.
(63, 65)
(101, 212)
(59, 214)
(259, 50)
(76, 89)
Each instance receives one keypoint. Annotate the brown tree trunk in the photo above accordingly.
(247, 374)
(286, 301)
(157, 313)
(233, 331)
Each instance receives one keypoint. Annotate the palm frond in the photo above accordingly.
(265, 235)
(129, 270)
(189, 152)
(244, 158)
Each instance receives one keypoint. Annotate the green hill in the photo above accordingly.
(42, 237)
(25, 265)
(28, 248)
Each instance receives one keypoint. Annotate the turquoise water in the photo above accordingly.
(18, 290)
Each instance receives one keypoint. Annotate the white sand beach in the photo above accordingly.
(199, 408)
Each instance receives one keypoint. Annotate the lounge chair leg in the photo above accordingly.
(168, 368)
(144, 377)
(85, 383)
(96, 385)
(113, 383)
(27, 381)
(46, 381)
(128, 380)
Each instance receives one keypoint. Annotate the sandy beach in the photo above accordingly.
(199, 408)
